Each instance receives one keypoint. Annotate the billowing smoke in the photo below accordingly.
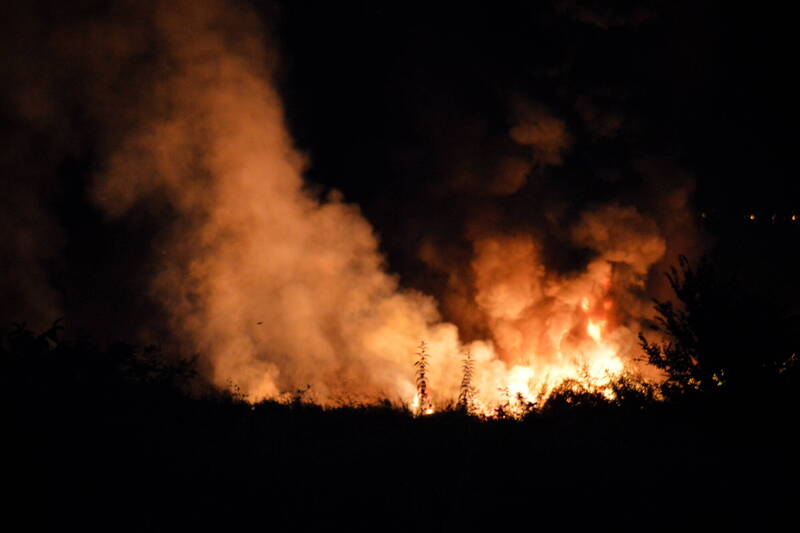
(277, 288)
(563, 292)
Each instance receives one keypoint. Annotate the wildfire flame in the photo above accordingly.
(587, 354)
(278, 288)
(416, 407)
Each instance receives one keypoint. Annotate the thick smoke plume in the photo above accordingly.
(278, 289)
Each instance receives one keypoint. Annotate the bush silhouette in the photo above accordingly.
(722, 335)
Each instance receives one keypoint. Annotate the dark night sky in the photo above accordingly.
(383, 98)
(406, 106)
(708, 83)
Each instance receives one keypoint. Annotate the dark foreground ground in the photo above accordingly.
(107, 441)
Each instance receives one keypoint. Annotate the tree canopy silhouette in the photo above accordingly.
(721, 333)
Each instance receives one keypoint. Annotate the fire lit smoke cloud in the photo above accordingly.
(278, 289)
(548, 326)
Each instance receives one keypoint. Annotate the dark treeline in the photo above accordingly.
(120, 438)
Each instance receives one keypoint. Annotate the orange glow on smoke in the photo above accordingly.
(278, 288)
(546, 329)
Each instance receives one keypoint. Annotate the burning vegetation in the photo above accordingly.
(510, 345)
(280, 288)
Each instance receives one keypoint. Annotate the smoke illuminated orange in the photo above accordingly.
(280, 289)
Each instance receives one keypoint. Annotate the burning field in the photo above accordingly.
(280, 287)
(397, 265)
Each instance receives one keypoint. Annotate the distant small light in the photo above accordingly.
(794, 218)
(703, 215)
(752, 217)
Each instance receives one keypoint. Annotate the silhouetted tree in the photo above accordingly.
(721, 334)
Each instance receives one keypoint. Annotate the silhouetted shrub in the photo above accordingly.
(47, 361)
(572, 395)
(722, 334)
